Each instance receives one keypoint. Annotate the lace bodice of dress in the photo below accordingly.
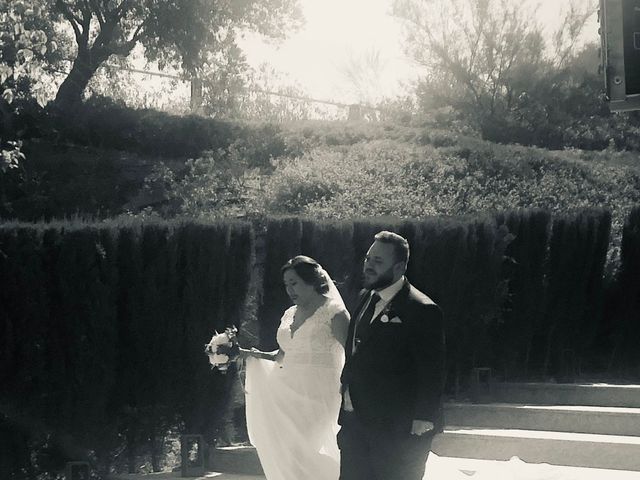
(313, 343)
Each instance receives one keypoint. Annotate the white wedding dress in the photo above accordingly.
(292, 407)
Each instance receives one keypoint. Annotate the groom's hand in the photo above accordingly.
(420, 427)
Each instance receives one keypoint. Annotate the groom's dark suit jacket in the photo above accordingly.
(397, 373)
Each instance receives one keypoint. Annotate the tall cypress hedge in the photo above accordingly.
(521, 338)
(625, 304)
(330, 243)
(458, 262)
(284, 240)
(574, 296)
(103, 329)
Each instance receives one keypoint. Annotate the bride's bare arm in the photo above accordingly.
(340, 327)
(274, 355)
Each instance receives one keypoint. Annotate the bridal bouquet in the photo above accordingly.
(223, 349)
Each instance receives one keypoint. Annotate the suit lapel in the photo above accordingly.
(395, 306)
(396, 303)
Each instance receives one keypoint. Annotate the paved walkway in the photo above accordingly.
(176, 476)
(445, 468)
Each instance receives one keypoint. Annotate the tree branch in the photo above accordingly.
(67, 12)
(125, 47)
(87, 16)
(119, 11)
(138, 32)
(98, 11)
(73, 19)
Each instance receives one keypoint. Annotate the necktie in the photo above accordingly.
(364, 322)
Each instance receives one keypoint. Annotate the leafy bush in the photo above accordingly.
(387, 177)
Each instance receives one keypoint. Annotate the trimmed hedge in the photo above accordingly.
(103, 330)
(102, 326)
(574, 295)
(624, 305)
(525, 272)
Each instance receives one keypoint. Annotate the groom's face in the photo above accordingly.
(380, 266)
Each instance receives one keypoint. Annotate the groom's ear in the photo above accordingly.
(399, 268)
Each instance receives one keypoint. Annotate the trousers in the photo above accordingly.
(378, 453)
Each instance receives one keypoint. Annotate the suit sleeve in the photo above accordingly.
(427, 348)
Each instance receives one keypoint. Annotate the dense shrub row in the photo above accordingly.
(385, 177)
(323, 169)
(101, 122)
(102, 330)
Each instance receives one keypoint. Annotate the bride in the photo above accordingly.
(293, 394)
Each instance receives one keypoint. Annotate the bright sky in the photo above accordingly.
(336, 30)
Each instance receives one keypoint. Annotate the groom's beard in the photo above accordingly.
(383, 280)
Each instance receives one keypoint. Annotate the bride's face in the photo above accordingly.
(300, 292)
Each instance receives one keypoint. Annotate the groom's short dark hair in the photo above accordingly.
(400, 244)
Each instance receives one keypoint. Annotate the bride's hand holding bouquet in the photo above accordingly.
(223, 349)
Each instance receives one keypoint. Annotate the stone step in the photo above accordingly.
(615, 452)
(237, 459)
(559, 418)
(600, 394)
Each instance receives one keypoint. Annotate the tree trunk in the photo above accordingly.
(70, 92)
(196, 95)
(6, 122)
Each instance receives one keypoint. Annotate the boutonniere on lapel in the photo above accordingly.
(388, 317)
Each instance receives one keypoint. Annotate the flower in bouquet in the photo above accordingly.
(223, 349)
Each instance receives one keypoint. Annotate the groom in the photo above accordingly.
(393, 377)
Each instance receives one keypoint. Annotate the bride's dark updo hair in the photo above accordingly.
(309, 271)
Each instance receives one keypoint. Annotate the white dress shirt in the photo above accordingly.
(386, 295)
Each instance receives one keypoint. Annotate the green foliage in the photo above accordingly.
(190, 36)
(282, 241)
(101, 122)
(11, 156)
(106, 334)
(215, 185)
(253, 94)
(525, 270)
(458, 262)
(26, 50)
(502, 73)
(575, 294)
(624, 302)
(386, 177)
(57, 181)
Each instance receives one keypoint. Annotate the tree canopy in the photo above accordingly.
(27, 53)
(496, 65)
(182, 34)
